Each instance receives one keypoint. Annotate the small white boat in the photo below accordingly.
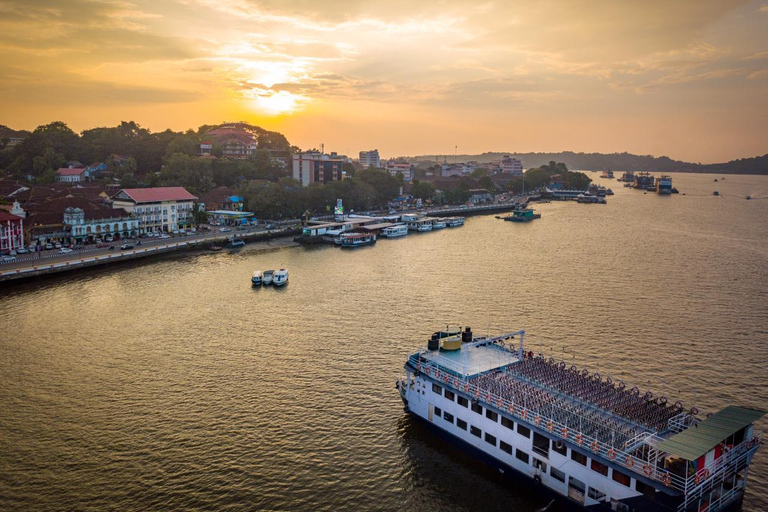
(267, 276)
(256, 279)
(438, 224)
(280, 277)
(395, 231)
(455, 221)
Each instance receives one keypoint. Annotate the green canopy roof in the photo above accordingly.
(694, 442)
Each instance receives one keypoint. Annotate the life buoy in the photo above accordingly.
(667, 479)
(648, 470)
(524, 414)
(611, 454)
(595, 446)
(537, 479)
(755, 441)
(550, 426)
(564, 433)
(498, 403)
(580, 439)
(629, 461)
(537, 420)
(701, 476)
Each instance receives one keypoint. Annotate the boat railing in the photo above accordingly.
(681, 422)
(623, 455)
(585, 441)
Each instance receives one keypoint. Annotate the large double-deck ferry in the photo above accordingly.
(592, 442)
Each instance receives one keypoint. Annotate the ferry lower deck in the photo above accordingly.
(592, 440)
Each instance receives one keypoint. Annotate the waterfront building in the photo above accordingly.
(90, 224)
(71, 175)
(11, 232)
(511, 166)
(316, 168)
(479, 195)
(370, 158)
(158, 209)
(235, 141)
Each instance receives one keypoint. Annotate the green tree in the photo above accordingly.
(487, 183)
(422, 190)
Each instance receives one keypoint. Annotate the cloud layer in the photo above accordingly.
(662, 77)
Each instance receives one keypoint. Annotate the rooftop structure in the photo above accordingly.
(370, 158)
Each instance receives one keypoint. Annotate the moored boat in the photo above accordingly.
(280, 277)
(267, 277)
(353, 240)
(454, 221)
(256, 278)
(438, 224)
(394, 231)
(664, 184)
(235, 243)
(526, 215)
(592, 442)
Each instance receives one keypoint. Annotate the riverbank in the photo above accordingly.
(74, 261)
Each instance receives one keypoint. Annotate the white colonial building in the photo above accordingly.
(99, 223)
(370, 158)
(158, 209)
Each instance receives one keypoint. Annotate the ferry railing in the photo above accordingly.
(622, 455)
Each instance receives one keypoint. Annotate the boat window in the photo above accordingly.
(491, 415)
(557, 474)
(620, 477)
(559, 447)
(520, 454)
(463, 401)
(438, 411)
(648, 490)
(523, 431)
(540, 464)
(540, 444)
(437, 389)
(581, 459)
(461, 424)
(477, 408)
(475, 431)
(449, 394)
(508, 423)
(448, 417)
(490, 439)
(599, 468)
(577, 484)
(505, 447)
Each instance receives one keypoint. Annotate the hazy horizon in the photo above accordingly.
(682, 79)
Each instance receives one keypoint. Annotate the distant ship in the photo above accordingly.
(592, 442)
(644, 181)
(628, 176)
(607, 174)
(664, 184)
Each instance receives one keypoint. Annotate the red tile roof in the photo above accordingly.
(151, 195)
(5, 216)
(65, 171)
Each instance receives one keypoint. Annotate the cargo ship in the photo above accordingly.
(628, 176)
(584, 439)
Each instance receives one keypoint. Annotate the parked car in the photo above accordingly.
(65, 250)
(32, 248)
(270, 226)
(224, 230)
(21, 250)
(48, 247)
(165, 236)
(6, 258)
(126, 246)
(58, 245)
(110, 238)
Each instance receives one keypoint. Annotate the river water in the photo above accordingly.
(172, 385)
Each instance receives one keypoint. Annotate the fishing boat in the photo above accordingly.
(256, 279)
(394, 231)
(664, 184)
(267, 277)
(592, 442)
(353, 240)
(526, 215)
(280, 277)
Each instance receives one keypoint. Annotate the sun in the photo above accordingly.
(278, 102)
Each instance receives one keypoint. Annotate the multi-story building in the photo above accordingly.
(87, 225)
(370, 158)
(316, 168)
(11, 232)
(235, 142)
(404, 168)
(511, 166)
(158, 209)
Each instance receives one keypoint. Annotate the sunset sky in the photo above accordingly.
(687, 79)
